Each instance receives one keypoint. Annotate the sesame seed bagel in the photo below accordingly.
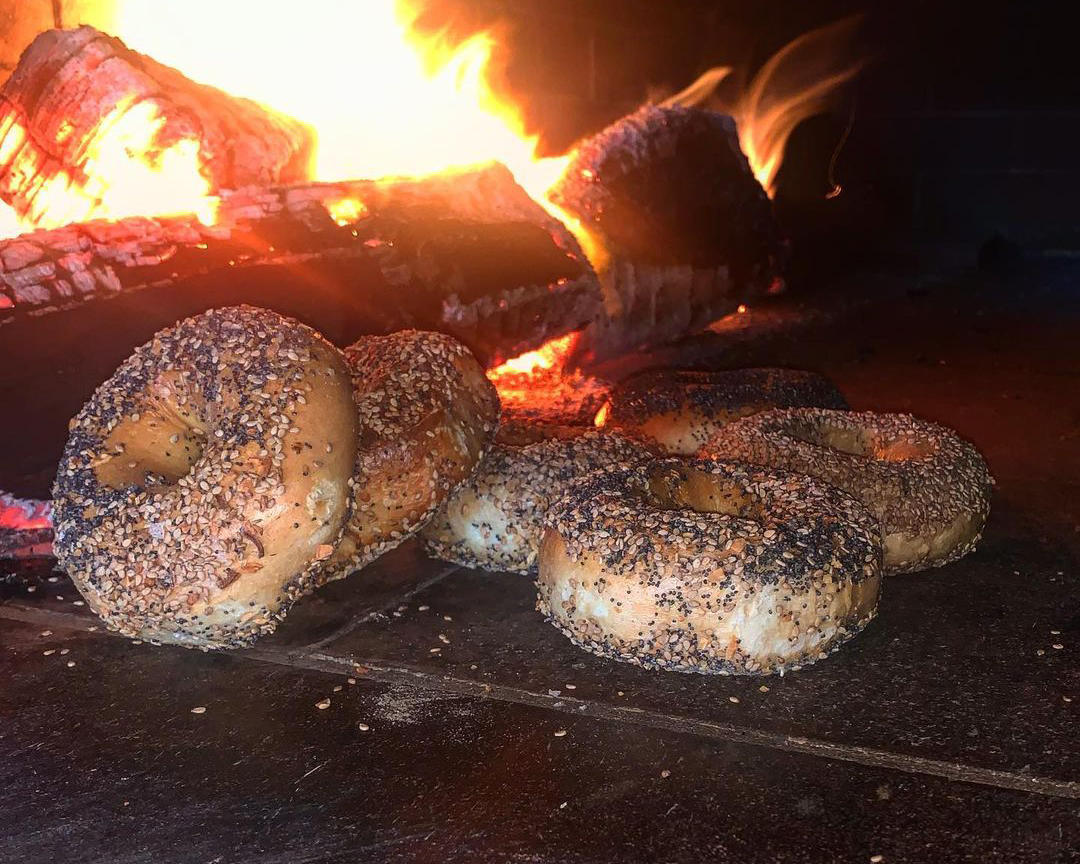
(204, 483)
(712, 567)
(681, 409)
(427, 415)
(495, 521)
(929, 488)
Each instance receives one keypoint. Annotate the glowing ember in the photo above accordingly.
(539, 386)
(23, 514)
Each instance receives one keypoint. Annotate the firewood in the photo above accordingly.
(688, 232)
(72, 86)
(468, 253)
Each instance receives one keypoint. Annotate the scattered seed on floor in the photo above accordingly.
(734, 699)
(70, 663)
(620, 693)
(1057, 646)
(423, 608)
(396, 614)
(571, 686)
(443, 638)
(31, 589)
(1039, 652)
(199, 709)
(1067, 698)
(447, 618)
(64, 651)
(559, 733)
(46, 632)
(1055, 632)
(665, 773)
(763, 689)
(78, 603)
(363, 727)
(337, 689)
(50, 652)
(54, 578)
(473, 666)
(351, 680)
(435, 651)
(876, 859)
(323, 705)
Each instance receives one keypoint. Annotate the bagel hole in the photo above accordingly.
(901, 450)
(858, 442)
(151, 450)
(702, 492)
(851, 441)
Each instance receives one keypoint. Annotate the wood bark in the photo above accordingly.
(73, 85)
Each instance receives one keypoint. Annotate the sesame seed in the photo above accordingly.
(199, 709)
(323, 704)
(559, 733)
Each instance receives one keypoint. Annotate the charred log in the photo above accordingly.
(72, 86)
(688, 231)
(469, 254)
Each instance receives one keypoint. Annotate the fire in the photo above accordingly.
(123, 172)
(795, 83)
(385, 101)
(549, 357)
(542, 380)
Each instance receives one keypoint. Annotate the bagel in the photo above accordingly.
(681, 409)
(427, 414)
(705, 566)
(495, 521)
(929, 488)
(205, 482)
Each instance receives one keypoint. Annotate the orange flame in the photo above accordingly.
(121, 172)
(384, 100)
(549, 357)
(795, 83)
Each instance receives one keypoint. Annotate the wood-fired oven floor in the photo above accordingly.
(461, 727)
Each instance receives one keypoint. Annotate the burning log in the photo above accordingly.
(79, 99)
(688, 231)
(469, 254)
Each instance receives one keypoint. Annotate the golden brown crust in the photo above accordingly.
(495, 521)
(929, 488)
(681, 409)
(427, 415)
(705, 566)
(204, 483)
